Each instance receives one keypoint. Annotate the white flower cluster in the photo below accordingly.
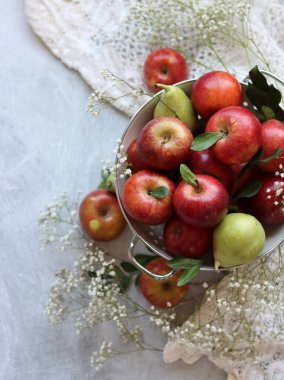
(60, 213)
(164, 319)
(278, 196)
(121, 167)
(242, 312)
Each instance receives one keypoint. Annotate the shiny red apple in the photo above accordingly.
(100, 215)
(215, 90)
(133, 160)
(204, 162)
(272, 138)
(166, 66)
(162, 294)
(183, 240)
(268, 204)
(241, 134)
(163, 143)
(204, 205)
(139, 199)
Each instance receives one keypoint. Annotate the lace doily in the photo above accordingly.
(267, 361)
(90, 36)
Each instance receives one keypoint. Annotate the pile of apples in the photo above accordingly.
(187, 162)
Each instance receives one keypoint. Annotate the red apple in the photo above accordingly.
(272, 138)
(132, 158)
(163, 143)
(268, 204)
(204, 205)
(100, 215)
(139, 201)
(204, 162)
(165, 66)
(162, 294)
(214, 91)
(182, 240)
(242, 134)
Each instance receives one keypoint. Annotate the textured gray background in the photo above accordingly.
(48, 144)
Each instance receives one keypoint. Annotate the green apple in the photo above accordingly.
(238, 239)
(174, 102)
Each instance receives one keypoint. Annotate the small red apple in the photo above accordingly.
(182, 240)
(272, 138)
(242, 134)
(100, 215)
(166, 66)
(162, 294)
(132, 158)
(141, 203)
(204, 162)
(204, 205)
(163, 143)
(268, 204)
(215, 90)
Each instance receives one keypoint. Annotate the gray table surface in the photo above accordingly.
(48, 144)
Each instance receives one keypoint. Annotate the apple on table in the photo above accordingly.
(100, 216)
(166, 66)
(165, 293)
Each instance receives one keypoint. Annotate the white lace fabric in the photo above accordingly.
(90, 36)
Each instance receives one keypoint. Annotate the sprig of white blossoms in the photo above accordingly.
(189, 25)
(241, 313)
(91, 292)
(98, 100)
(279, 193)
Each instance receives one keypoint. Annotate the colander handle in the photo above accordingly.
(131, 256)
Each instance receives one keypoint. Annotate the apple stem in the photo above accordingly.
(217, 265)
(197, 186)
(164, 86)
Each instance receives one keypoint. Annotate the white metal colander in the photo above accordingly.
(152, 236)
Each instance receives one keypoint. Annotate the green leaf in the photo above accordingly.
(159, 192)
(128, 267)
(267, 113)
(102, 185)
(124, 283)
(144, 259)
(273, 96)
(266, 98)
(232, 209)
(137, 279)
(250, 190)
(205, 140)
(275, 155)
(105, 173)
(182, 262)
(187, 175)
(118, 271)
(252, 162)
(92, 274)
(187, 275)
(258, 79)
